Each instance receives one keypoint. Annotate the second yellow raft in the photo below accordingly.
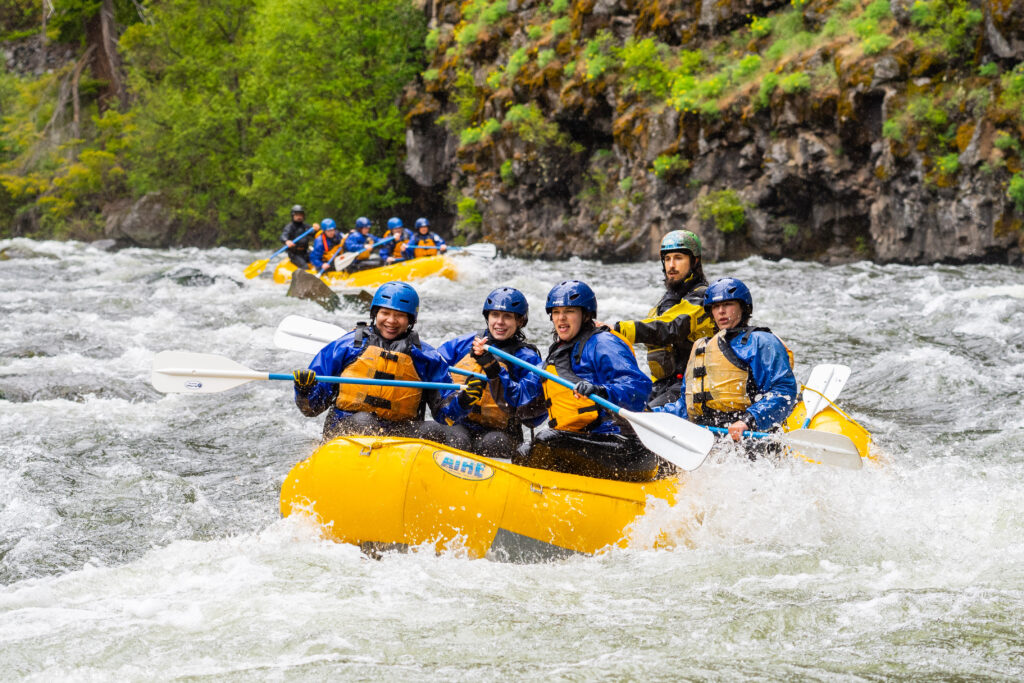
(413, 269)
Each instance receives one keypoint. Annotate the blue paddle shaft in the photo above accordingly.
(468, 373)
(371, 382)
(748, 433)
(282, 249)
(607, 405)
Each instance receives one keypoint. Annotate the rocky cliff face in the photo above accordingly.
(821, 130)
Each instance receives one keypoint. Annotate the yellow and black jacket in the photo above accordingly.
(669, 332)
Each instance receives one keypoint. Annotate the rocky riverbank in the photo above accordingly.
(551, 134)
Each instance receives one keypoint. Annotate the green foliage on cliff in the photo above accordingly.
(725, 209)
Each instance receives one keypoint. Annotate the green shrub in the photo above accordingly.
(875, 44)
(948, 164)
(431, 75)
(470, 136)
(764, 93)
(468, 218)
(599, 54)
(1005, 141)
(795, 82)
(878, 10)
(560, 26)
(893, 129)
(490, 127)
(569, 70)
(948, 26)
(790, 230)
(725, 209)
(644, 67)
(508, 175)
(988, 70)
(760, 26)
(516, 61)
(747, 67)
(535, 32)
(544, 58)
(669, 165)
(558, 6)
(1015, 191)
(431, 41)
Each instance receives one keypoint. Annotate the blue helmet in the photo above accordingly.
(572, 293)
(728, 289)
(422, 222)
(328, 224)
(508, 299)
(362, 222)
(395, 222)
(399, 296)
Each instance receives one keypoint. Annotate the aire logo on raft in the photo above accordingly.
(462, 467)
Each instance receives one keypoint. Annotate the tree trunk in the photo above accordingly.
(101, 32)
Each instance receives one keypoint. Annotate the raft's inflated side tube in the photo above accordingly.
(837, 422)
(393, 492)
(412, 269)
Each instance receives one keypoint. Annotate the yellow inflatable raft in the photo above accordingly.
(391, 493)
(413, 269)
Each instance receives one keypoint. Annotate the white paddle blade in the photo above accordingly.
(480, 250)
(825, 448)
(826, 381)
(682, 443)
(342, 262)
(305, 335)
(181, 372)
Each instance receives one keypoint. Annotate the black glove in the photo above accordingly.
(472, 393)
(489, 364)
(305, 380)
(585, 388)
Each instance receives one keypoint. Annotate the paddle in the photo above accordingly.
(822, 447)
(306, 335)
(349, 257)
(305, 285)
(480, 249)
(206, 373)
(825, 383)
(682, 443)
(257, 267)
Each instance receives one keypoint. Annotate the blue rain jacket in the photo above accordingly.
(340, 353)
(608, 361)
(524, 396)
(322, 245)
(357, 241)
(768, 362)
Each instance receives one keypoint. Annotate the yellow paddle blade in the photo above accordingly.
(256, 267)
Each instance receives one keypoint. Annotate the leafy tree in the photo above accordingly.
(248, 106)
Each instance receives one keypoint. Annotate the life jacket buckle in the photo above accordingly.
(367, 450)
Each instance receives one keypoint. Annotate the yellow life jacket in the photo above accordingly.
(491, 411)
(429, 242)
(718, 382)
(565, 411)
(378, 362)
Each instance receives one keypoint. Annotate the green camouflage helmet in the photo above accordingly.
(681, 240)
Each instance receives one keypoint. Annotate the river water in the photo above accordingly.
(140, 537)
